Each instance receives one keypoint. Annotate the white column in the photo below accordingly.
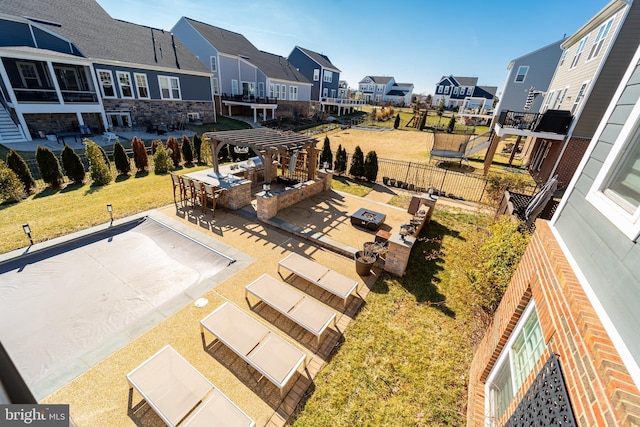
(229, 107)
(255, 114)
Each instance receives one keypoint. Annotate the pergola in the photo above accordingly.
(265, 143)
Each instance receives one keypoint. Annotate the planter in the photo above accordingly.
(364, 262)
(385, 180)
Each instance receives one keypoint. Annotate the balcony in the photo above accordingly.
(78, 96)
(40, 96)
(553, 121)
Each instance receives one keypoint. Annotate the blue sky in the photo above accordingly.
(415, 41)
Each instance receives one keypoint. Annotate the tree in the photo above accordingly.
(187, 151)
(440, 109)
(73, 167)
(123, 165)
(197, 148)
(397, 122)
(205, 151)
(452, 123)
(340, 165)
(162, 162)
(423, 120)
(98, 168)
(154, 145)
(140, 157)
(49, 167)
(16, 163)
(11, 188)
(371, 166)
(172, 144)
(357, 163)
(326, 155)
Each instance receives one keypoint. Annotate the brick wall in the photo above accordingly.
(568, 164)
(600, 389)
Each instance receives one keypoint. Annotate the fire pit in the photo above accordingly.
(371, 220)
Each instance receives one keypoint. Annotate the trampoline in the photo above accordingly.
(449, 145)
(66, 307)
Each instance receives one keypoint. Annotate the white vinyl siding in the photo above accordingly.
(142, 85)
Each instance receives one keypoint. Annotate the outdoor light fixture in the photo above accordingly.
(110, 210)
(266, 187)
(27, 231)
(325, 165)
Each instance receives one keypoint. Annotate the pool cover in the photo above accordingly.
(59, 304)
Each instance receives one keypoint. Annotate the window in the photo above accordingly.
(560, 99)
(455, 90)
(581, 45)
(316, 74)
(234, 87)
(214, 65)
(328, 76)
(283, 92)
(579, 97)
(272, 92)
(547, 101)
(439, 89)
(216, 86)
(29, 75)
(522, 351)
(293, 93)
(142, 86)
(616, 189)
(540, 156)
(446, 89)
(248, 89)
(599, 41)
(169, 87)
(261, 89)
(106, 82)
(521, 74)
(333, 93)
(325, 92)
(563, 57)
(469, 91)
(117, 119)
(124, 80)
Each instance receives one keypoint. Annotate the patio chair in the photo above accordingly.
(298, 307)
(179, 186)
(265, 351)
(210, 192)
(188, 193)
(181, 395)
(329, 280)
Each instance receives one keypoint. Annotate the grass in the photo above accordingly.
(405, 361)
(348, 185)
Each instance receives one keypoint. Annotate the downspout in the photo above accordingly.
(591, 85)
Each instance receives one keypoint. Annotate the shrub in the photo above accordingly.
(371, 166)
(172, 144)
(140, 157)
(187, 151)
(498, 183)
(205, 151)
(16, 163)
(326, 155)
(197, 148)
(73, 167)
(98, 168)
(11, 188)
(123, 164)
(154, 145)
(452, 123)
(357, 163)
(49, 167)
(162, 162)
(396, 124)
(423, 120)
(340, 165)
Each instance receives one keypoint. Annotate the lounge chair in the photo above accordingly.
(290, 302)
(181, 395)
(269, 354)
(319, 275)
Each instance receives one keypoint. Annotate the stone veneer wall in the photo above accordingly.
(601, 391)
(156, 110)
(268, 207)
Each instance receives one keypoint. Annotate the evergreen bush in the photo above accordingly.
(16, 163)
(326, 155)
(340, 165)
(396, 124)
(120, 158)
(423, 121)
(371, 166)
(187, 150)
(172, 144)
(140, 157)
(357, 163)
(49, 167)
(197, 148)
(98, 169)
(162, 162)
(11, 188)
(154, 145)
(72, 165)
(205, 152)
(452, 123)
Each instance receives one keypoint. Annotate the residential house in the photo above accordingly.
(246, 81)
(528, 79)
(463, 93)
(563, 347)
(67, 66)
(592, 61)
(383, 89)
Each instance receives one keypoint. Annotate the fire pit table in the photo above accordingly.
(371, 220)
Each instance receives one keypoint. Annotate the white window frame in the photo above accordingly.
(579, 96)
(455, 90)
(234, 87)
(272, 91)
(260, 89)
(563, 56)
(213, 64)
(518, 78)
(325, 92)
(612, 209)
(603, 31)
(102, 83)
(293, 93)
(328, 76)
(581, 44)
(505, 359)
(251, 88)
(283, 92)
(559, 100)
(469, 91)
(216, 86)
(316, 74)
(122, 86)
(139, 86)
(24, 78)
(169, 80)
(446, 90)
(547, 101)
(439, 89)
